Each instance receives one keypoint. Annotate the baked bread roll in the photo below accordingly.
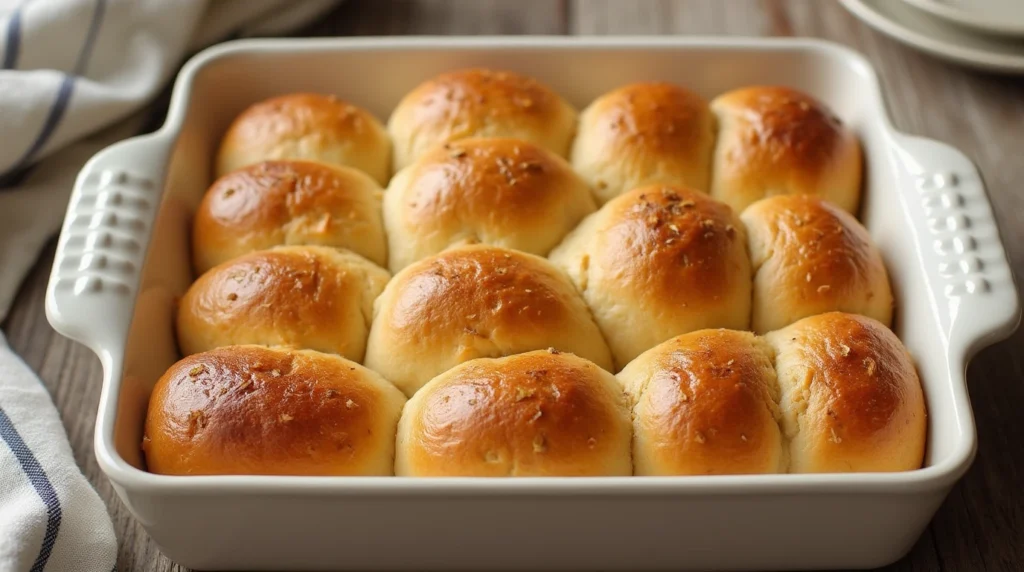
(504, 192)
(642, 134)
(537, 414)
(288, 202)
(311, 297)
(307, 126)
(811, 257)
(657, 262)
(251, 410)
(476, 301)
(851, 399)
(778, 141)
(479, 103)
(705, 403)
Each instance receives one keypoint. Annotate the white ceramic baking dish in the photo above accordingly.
(123, 258)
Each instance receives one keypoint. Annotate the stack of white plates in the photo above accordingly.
(985, 34)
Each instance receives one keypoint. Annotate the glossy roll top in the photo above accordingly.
(657, 262)
(479, 103)
(528, 415)
(811, 257)
(705, 403)
(776, 141)
(307, 126)
(504, 192)
(476, 301)
(851, 399)
(311, 297)
(288, 203)
(249, 410)
(642, 134)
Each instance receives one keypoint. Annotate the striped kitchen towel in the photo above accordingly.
(75, 76)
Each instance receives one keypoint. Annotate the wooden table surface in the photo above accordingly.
(981, 524)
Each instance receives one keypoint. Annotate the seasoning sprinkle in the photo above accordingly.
(870, 365)
(835, 438)
(844, 349)
(539, 444)
(522, 393)
(349, 404)
(286, 418)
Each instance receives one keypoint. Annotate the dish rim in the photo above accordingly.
(933, 478)
(898, 30)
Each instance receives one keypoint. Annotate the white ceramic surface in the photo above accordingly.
(122, 259)
(1003, 17)
(939, 38)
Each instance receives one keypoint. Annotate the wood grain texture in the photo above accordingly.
(981, 525)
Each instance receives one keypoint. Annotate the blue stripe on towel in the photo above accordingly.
(56, 113)
(13, 44)
(10, 177)
(39, 481)
(90, 36)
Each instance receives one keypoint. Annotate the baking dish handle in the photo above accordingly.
(102, 245)
(976, 298)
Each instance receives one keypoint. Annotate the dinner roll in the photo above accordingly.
(476, 301)
(288, 202)
(777, 141)
(657, 262)
(645, 133)
(705, 403)
(251, 410)
(851, 399)
(311, 297)
(504, 192)
(307, 126)
(537, 414)
(479, 103)
(811, 257)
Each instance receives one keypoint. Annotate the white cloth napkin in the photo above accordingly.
(74, 77)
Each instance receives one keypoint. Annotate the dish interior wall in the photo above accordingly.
(377, 79)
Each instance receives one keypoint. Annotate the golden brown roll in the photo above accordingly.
(536, 414)
(288, 202)
(504, 192)
(851, 399)
(811, 257)
(642, 134)
(657, 262)
(479, 103)
(251, 410)
(705, 403)
(311, 297)
(778, 141)
(307, 126)
(476, 301)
